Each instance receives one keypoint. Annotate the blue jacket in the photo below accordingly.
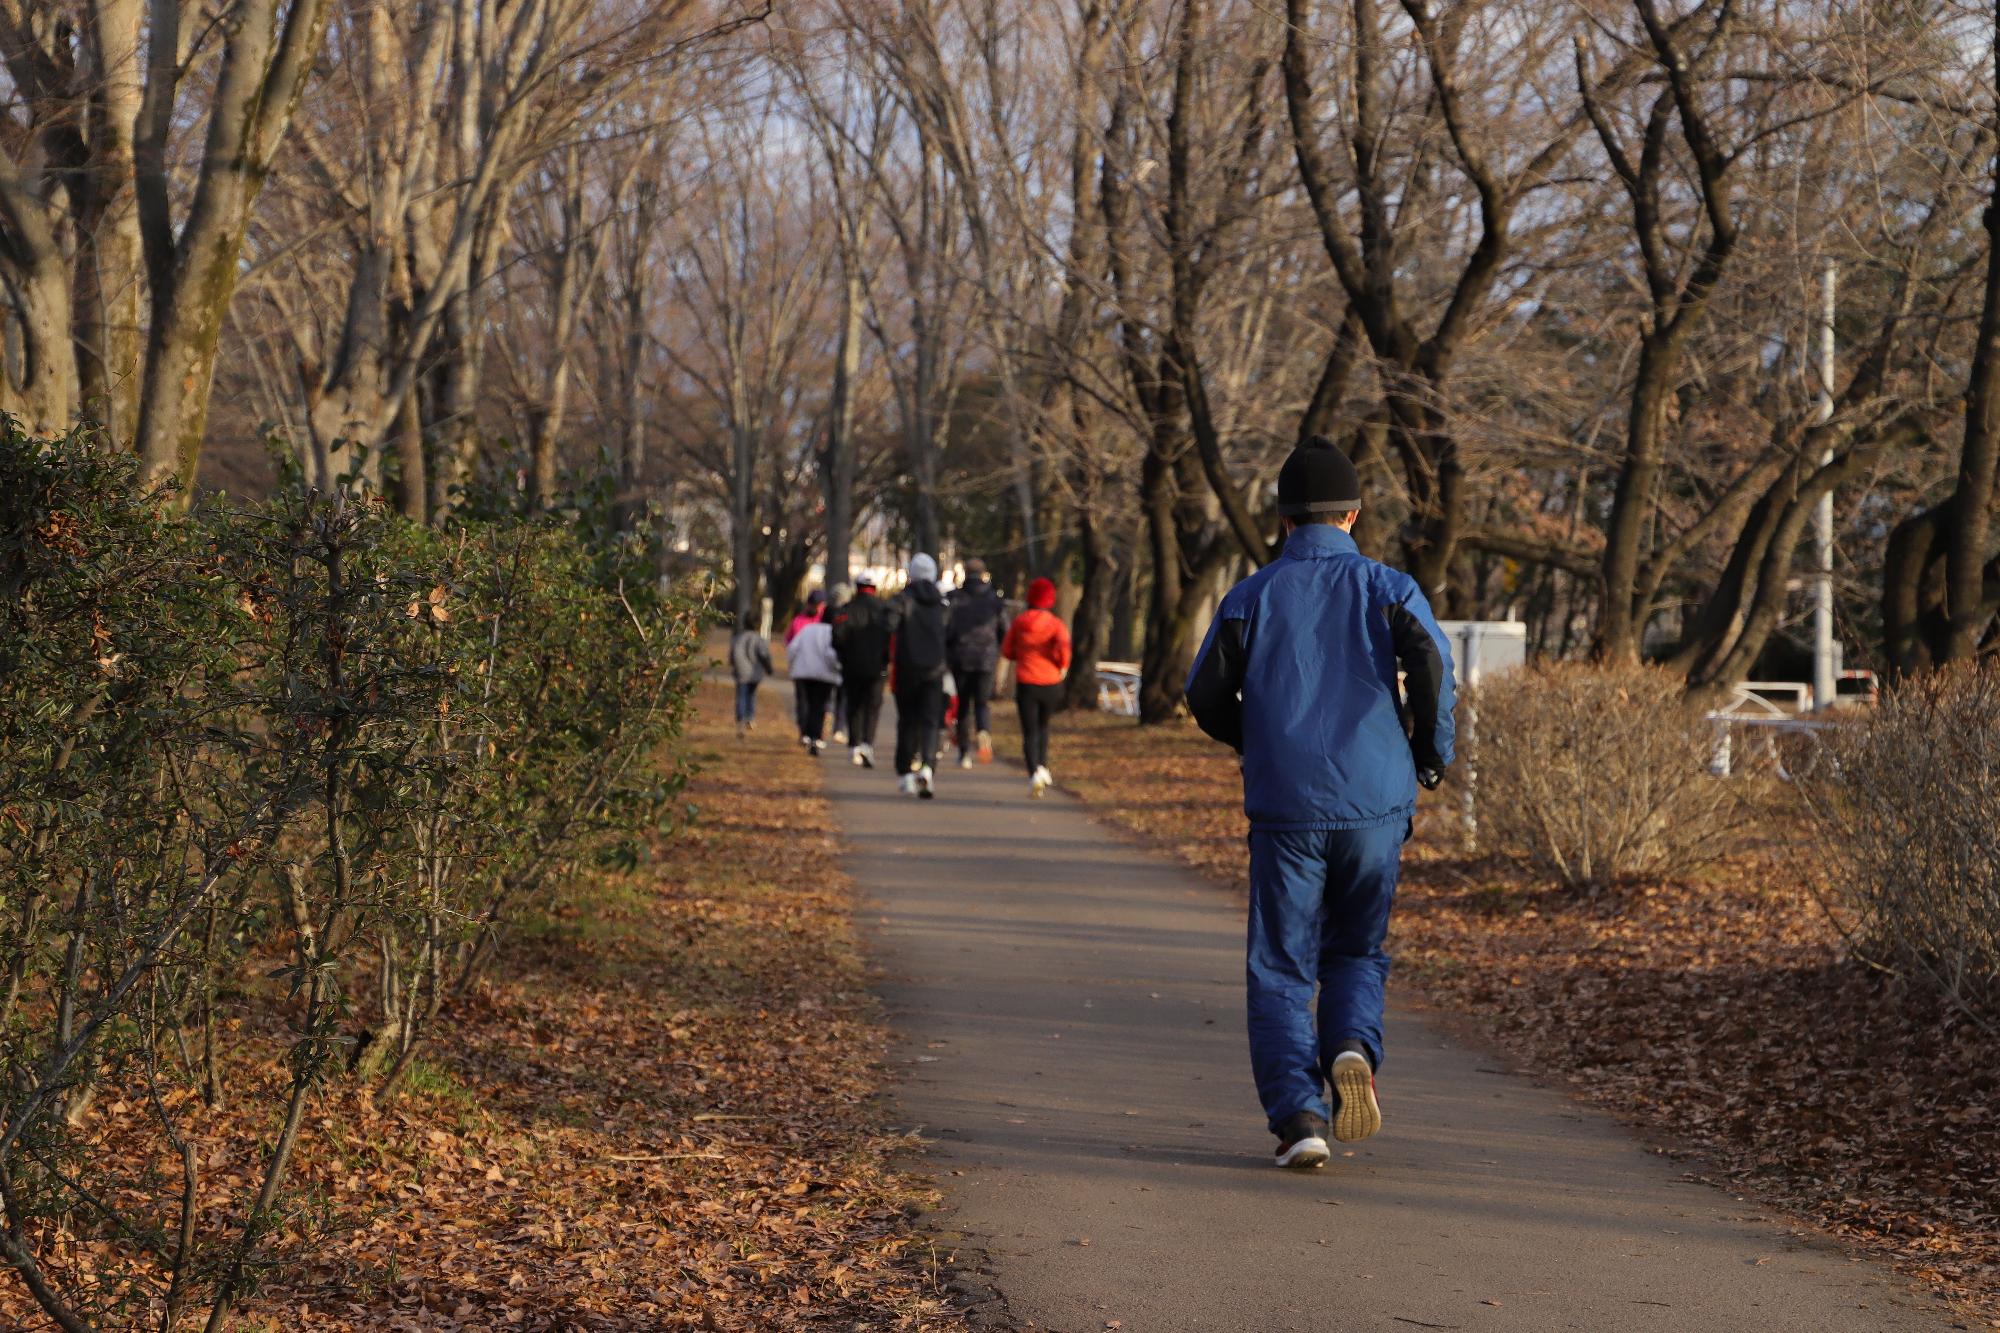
(1298, 673)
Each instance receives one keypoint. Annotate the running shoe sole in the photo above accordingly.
(1304, 1155)
(1359, 1116)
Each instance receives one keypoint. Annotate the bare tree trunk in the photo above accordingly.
(1678, 304)
(1718, 622)
(576, 262)
(743, 522)
(1637, 495)
(936, 90)
(921, 434)
(1159, 684)
(1090, 622)
(1189, 279)
(453, 434)
(352, 392)
(1768, 604)
(632, 407)
(1186, 550)
(47, 399)
(193, 273)
(1969, 603)
(838, 458)
(1914, 625)
(109, 276)
(638, 238)
(411, 491)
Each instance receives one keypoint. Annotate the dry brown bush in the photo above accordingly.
(1909, 823)
(1597, 773)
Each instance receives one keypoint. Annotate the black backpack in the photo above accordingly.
(920, 636)
(861, 638)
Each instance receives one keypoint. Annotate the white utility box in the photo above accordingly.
(1485, 647)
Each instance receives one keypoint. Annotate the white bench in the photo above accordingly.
(1118, 688)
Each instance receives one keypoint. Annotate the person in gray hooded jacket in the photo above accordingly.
(815, 670)
(749, 664)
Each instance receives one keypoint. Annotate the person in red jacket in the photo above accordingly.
(1038, 645)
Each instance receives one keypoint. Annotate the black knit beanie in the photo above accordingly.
(1318, 479)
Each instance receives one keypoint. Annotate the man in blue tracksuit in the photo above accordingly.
(1299, 675)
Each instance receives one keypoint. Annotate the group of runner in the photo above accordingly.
(936, 653)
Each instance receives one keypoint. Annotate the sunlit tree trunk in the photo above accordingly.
(193, 268)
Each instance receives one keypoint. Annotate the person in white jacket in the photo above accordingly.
(815, 670)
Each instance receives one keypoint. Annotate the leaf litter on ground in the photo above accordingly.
(658, 1111)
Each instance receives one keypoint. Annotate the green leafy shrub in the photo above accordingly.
(128, 810)
(566, 680)
(1597, 773)
(302, 760)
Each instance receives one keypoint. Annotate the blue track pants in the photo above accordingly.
(1319, 909)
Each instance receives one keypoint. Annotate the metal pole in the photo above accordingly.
(1470, 741)
(1823, 647)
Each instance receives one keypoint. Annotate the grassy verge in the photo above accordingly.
(1721, 1017)
(656, 1113)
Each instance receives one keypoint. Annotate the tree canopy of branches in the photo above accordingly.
(1058, 283)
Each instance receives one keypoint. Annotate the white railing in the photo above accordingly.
(1754, 722)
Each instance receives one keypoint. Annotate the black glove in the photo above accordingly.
(1430, 778)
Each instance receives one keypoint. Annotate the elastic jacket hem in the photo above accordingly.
(1330, 825)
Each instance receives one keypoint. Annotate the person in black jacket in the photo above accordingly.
(976, 629)
(918, 624)
(861, 630)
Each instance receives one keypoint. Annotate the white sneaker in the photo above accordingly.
(907, 784)
(1040, 782)
(854, 756)
(840, 737)
(867, 753)
(926, 780)
(965, 761)
(818, 746)
(1302, 1143)
(1359, 1114)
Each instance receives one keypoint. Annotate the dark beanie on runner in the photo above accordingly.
(1318, 479)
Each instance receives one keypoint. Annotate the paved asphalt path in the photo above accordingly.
(1070, 1015)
